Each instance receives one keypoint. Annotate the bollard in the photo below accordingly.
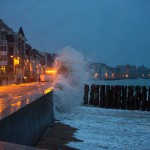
(91, 94)
(102, 96)
(86, 93)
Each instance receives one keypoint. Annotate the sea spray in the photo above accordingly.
(68, 85)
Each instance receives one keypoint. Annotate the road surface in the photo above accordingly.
(14, 97)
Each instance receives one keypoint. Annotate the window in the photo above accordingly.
(2, 70)
(1, 48)
(4, 48)
(1, 57)
(11, 50)
(4, 57)
(2, 38)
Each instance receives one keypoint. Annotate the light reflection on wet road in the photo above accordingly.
(13, 97)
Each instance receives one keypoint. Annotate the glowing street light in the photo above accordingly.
(50, 71)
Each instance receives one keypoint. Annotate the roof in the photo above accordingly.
(21, 31)
(3, 25)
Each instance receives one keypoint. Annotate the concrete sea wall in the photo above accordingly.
(28, 124)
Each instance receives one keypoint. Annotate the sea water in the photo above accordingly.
(98, 128)
(126, 82)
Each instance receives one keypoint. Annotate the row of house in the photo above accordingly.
(102, 71)
(18, 60)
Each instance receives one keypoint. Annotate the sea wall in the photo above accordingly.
(28, 124)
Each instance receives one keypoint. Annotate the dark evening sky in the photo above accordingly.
(114, 32)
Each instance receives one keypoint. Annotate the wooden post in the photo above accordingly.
(114, 101)
(91, 94)
(102, 96)
(137, 97)
(86, 93)
(148, 102)
(132, 97)
(130, 101)
(96, 95)
(118, 97)
(108, 97)
(124, 97)
(144, 98)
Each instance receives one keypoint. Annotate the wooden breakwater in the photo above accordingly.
(118, 96)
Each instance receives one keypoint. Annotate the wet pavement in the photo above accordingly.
(13, 97)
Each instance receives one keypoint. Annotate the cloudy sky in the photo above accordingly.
(114, 32)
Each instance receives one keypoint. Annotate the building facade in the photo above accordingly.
(18, 61)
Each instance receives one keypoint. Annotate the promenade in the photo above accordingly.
(13, 97)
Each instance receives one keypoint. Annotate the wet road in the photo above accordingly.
(14, 97)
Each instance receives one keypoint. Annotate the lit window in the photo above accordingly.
(2, 70)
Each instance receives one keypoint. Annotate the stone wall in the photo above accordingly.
(27, 125)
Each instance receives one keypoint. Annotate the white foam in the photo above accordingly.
(68, 89)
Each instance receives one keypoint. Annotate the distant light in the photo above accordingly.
(126, 75)
(50, 71)
(96, 75)
(11, 56)
(113, 75)
(106, 75)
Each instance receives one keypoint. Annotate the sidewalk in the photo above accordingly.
(13, 97)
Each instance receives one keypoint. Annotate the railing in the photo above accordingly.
(118, 97)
